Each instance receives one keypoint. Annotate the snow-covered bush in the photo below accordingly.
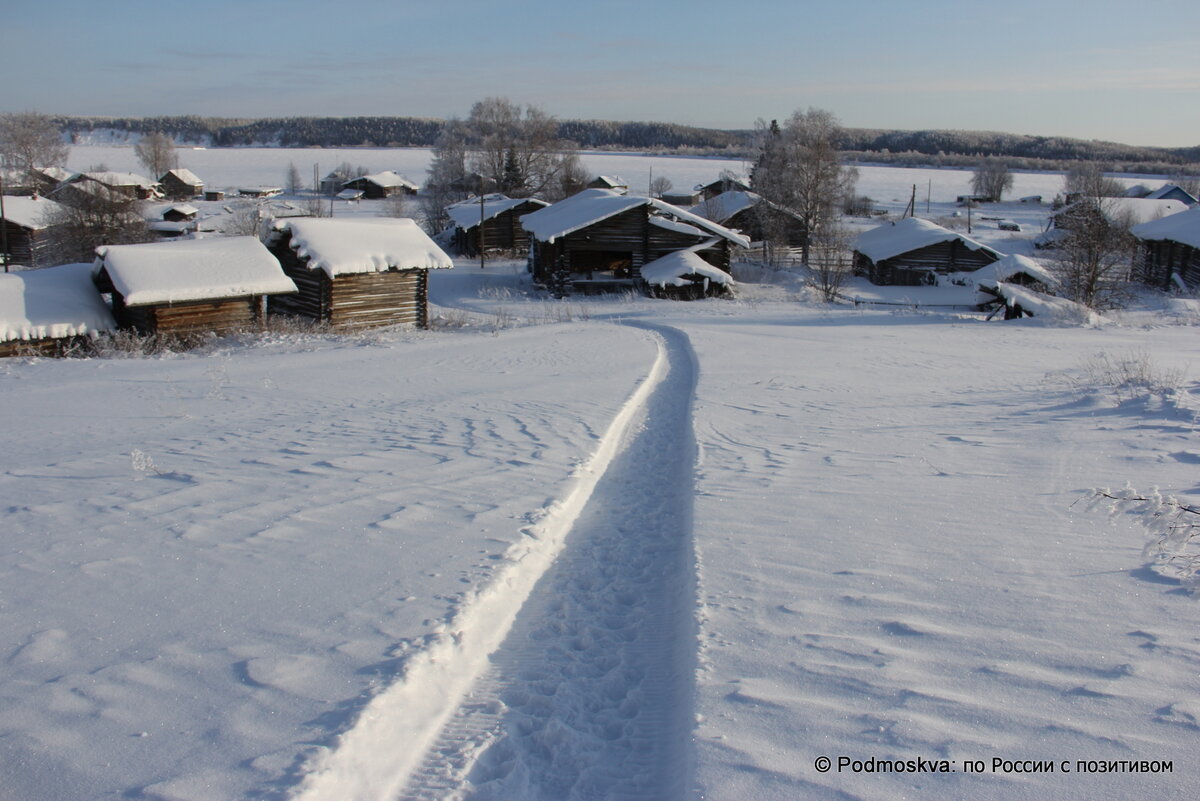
(1127, 376)
(1174, 548)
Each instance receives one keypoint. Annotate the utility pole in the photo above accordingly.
(3, 228)
(481, 256)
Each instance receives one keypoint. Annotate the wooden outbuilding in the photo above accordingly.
(727, 183)
(27, 230)
(48, 311)
(356, 273)
(502, 230)
(190, 286)
(181, 184)
(1169, 256)
(598, 240)
(614, 183)
(382, 184)
(214, 194)
(913, 252)
(126, 184)
(753, 215)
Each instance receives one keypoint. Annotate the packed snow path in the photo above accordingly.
(589, 694)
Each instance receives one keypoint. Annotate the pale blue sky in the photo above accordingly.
(1094, 69)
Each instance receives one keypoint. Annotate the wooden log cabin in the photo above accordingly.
(598, 240)
(181, 184)
(502, 230)
(28, 232)
(913, 252)
(382, 184)
(47, 311)
(1169, 256)
(754, 216)
(356, 273)
(189, 286)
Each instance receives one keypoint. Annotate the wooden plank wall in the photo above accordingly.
(365, 300)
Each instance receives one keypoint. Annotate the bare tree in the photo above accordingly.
(572, 177)
(294, 183)
(1094, 256)
(515, 147)
(95, 216)
(394, 206)
(831, 264)
(799, 168)
(447, 171)
(1087, 179)
(660, 186)
(29, 140)
(992, 179)
(156, 152)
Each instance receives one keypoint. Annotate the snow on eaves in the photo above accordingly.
(1183, 228)
(593, 205)
(192, 269)
(723, 206)
(671, 269)
(343, 246)
(1136, 209)
(465, 215)
(911, 233)
(1045, 307)
(28, 212)
(51, 303)
(387, 179)
(114, 179)
(1011, 265)
(185, 176)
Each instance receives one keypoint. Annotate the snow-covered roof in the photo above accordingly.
(182, 208)
(720, 208)
(676, 226)
(1171, 189)
(51, 303)
(192, 269)
(344, 246)
(1011, 265)
(185, 176)
(59, 174)
(388, 178)
(911, 233)
(28, 212)
(350, 194)
(1136, 209)
(1041, 305)
(611, 180)
(1183, 228)
(465, 215)
(671, 269)
(593, 205)
(120, 179)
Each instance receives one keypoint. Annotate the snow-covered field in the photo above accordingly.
(601, 548)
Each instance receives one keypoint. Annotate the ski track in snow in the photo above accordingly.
(571, 675)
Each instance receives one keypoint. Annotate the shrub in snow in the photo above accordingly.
(1174, 550)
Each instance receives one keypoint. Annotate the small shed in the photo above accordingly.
(599, 239)
(1018, 270)
(1170, 251)
(683, 275)
(189, 286)
(28, 231)
(214, 194)
(180, 212)
(260, 191)
(181, 184)
(46, 311)
(501, 217)
(356, 273)
(382, 184)
(913, 252)
(679, 197)
(614, 183)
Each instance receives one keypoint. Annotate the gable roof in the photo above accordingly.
(465, 215)
(1138, 209)
(120, 179)
(184, 175)
(911, 233)
(671, 269)
(724, 206)
(28, 212)
(1172, 192)
(1011, 265)
(341, 246)
(192, 269)
(387, 178)
(51, 303)
(1183, 228)
(593, 205)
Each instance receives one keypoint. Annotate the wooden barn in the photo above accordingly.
(382, 184)
(47, 311)
(1170, 251)
(356, 272)
(598, 240)
(501, 229)
(181, 184)
(127, 184)
(753, 216)
(190, 286)
(614, 183)
(47, 179)
(27, 232)
(913, 252)
(727, 183)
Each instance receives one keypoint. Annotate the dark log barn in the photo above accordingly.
(598, 240)
(1169, 256)
(913, 252)
(30, 238)
(356, 273)
(502, 230)
(197, 285)
(181, 184)
(46, 312)
(382, 184)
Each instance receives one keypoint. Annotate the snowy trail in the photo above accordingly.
(587, 691)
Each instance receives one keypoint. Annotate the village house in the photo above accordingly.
(1170, 251)
(598, 240)
(753, 216)
(356, 272)
(726, 183)
(189, 286)
(913, 252)
(501, 226)
(181, 184)
(126, 184)
(614, 183)
(382, 184)
(47, 311)
(29, 236)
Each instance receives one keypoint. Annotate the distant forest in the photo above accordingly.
(937, 148)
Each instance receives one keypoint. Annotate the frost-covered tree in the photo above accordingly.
(660, 186)
(447, 171)
(29, 140)
(1094, 255)
(1087, 179)
(294, 183)
(572, 177)
(992, 179)
(514, 147)
(156, 152)
(95, 216)
(799, 168)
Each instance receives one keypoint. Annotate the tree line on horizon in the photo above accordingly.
(926, 147)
